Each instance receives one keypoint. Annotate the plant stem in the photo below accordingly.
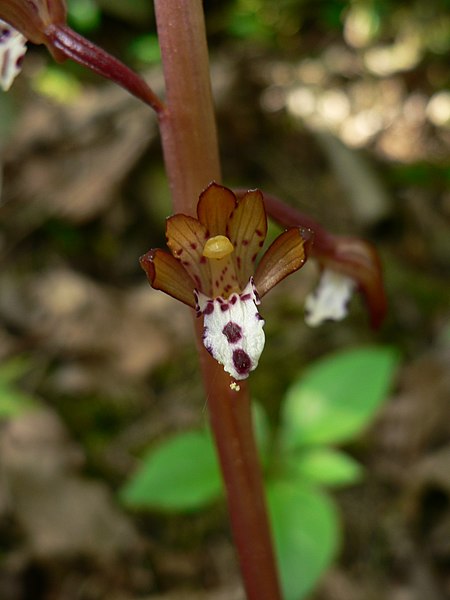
(231, 422)
(188, 126)
(191, 155)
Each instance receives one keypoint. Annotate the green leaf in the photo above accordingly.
(324, 466)
(337, 397)
(306, 535)
(181, 474)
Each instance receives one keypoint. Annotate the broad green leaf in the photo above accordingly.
(323, 466)
(305, 528)
(181, 474)
(337, 397)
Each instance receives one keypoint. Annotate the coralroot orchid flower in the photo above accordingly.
(33, 18)
(347, 264)
(44, 22)
(330, 299)
(212, 269)
(12, 51)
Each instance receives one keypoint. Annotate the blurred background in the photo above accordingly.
(340, 108)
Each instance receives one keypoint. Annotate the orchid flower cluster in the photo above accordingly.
(212, 268)
(213, 264)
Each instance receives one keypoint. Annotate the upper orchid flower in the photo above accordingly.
(212, 269)
(12, 51)
(44, 22)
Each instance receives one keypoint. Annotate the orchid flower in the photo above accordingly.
(212, 268)
(44, 22)
(348, 264)
(12, 51)
(330, 299)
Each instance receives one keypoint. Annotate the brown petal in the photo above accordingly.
(247, 230)
(32, 18)
(284, 256)
(186, 238)
(214, 208)
(165, 273)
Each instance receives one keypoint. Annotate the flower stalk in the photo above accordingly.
(191, 155)
(231, 422)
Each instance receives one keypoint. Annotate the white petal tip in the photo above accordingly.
(12, 50)
(330, 300)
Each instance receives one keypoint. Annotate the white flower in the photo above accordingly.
(12, 50)
(330, 299)
(233, 330)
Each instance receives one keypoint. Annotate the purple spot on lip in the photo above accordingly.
(233, 299)
(242, 362)
(4, 34)
(233, 332)
(245, 297)
(209, 308)
(224, 307)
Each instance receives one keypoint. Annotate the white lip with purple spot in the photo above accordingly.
(233, 330)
